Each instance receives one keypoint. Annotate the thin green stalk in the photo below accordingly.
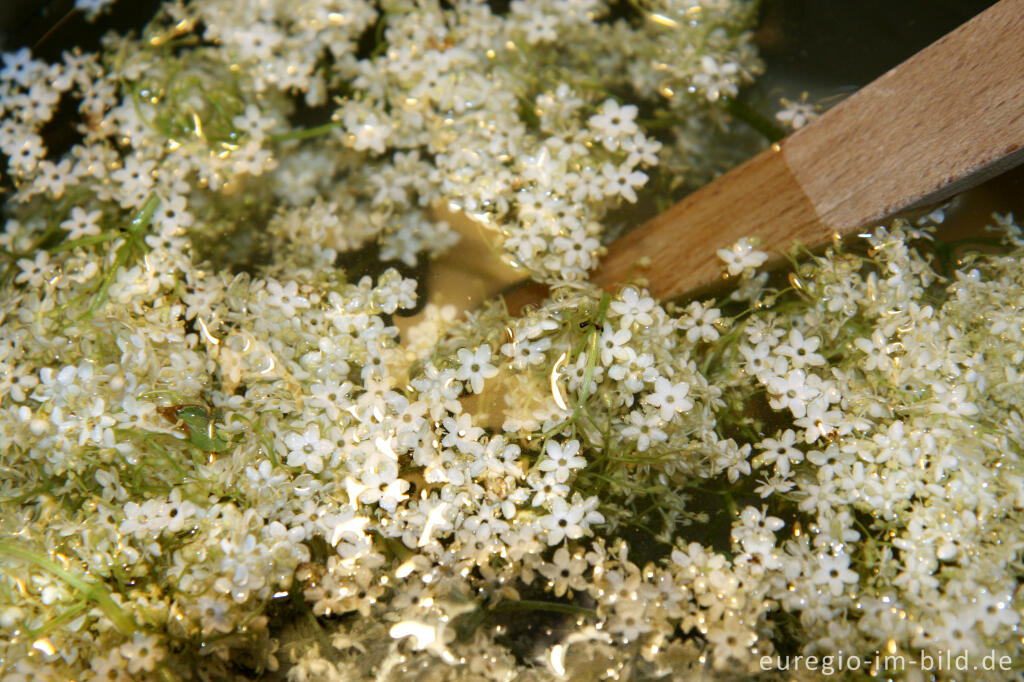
(588, 374)
(91, 591)
(164, 454)
(752, 118)
(24, 496)
(533, 605)
(55, 623)
(306, 133)
(84, 241)
(136, 227)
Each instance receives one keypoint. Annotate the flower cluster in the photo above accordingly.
(220, 456)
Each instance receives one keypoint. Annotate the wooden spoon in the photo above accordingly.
(945, 120)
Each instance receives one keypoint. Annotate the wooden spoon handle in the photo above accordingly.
(946, 119)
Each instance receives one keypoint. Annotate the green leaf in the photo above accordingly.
(200, 428)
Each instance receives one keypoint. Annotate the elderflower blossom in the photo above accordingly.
(225, 456)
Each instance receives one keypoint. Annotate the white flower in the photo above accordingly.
(671, 398)
(699, 322)
(34, 271)
(562, 460)
(632, 307)
(439, 389)
(253, 122)
(612, 122)
(20, 67)
(622, 181)
(801, 351)
(646, 429)
(833, 573)
(612, 345)
(717, 79)
(565, 571)
(993, 612)
(546, 488)
(308, 449)
(742, 256)
(368, 133)
(525, 353)
(732, 459)
(791, 392)
(142, 653)
(286, 297)
(540, 27)
(463, 435)
(796, 115)
(780, 452)
(565, 520)
(952, 400)
(81, 224)
(578, 248)
(731, 641)
(641, 150)
(475, 367)
(760, 362)
(878, 351)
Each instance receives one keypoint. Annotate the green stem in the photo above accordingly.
(588, 374)
(84, 241)
(136, 227)
(629, 485)
(752, 118)
(24, 496)
(532, 605)
(164, 454)
(70, 614)
(91, 591)
(306, 133)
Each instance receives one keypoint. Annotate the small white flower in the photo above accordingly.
(645, 428)
(613, 122)
(833, 573)
(286, 297)
(791, 392)
(562, 460)
(142, 653)
(34, 271)
(797, 114)
(308, 449)
(632, 307)
(699, 322)
(565, 571)
(743, 256)
(563, 522)
(369, 133)
(622, 181)
(81, 223)
(475, 367)
(952, 400)
(612, 345)
(780, 452)
(717, 79)
(732, 459)
(670, 398)
(801, 351)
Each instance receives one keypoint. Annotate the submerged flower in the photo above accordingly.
(670, 398)
(475, 367)
(308, 449)
(561, 459)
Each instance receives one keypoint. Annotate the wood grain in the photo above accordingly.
(943, 121)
